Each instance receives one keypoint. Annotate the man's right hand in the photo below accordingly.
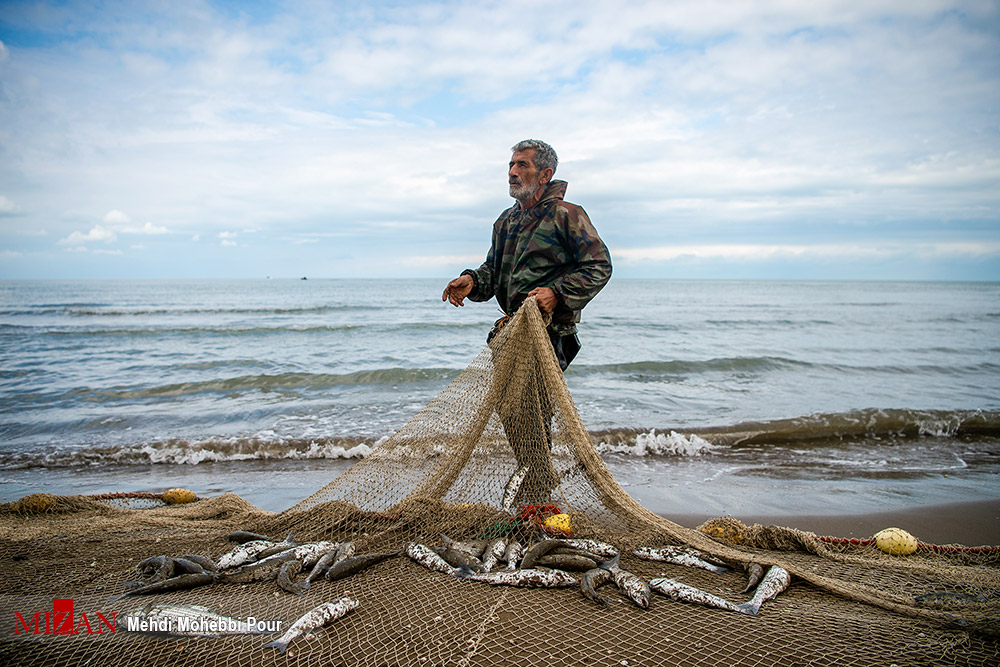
(458, 289)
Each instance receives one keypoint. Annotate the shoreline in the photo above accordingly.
(972, 523)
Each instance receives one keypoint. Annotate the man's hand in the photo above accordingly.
(546, 298)
(457, 290)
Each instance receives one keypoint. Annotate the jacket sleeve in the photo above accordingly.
(592, 268)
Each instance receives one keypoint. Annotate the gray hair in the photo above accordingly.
(545, 155)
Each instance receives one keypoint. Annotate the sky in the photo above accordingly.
(759, 139)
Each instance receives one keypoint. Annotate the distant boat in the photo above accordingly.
(303, 277)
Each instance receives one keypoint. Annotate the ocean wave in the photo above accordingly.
(656, 444)
(725, 364)
(192, 453)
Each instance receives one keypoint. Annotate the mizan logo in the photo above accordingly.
(62, 621)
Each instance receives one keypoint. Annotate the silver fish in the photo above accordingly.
(537, 551)
(242, 536)
(571, 562)
(634, 588)
(182, 621)
(265, 570)
(286, 577)
(320, 568)
(675, 590)
(355, 564)
(307, 553)
(755, 571)
(602, 549)
(425, 556)
(591, 581)
(327, 612)
(244, 553)
(493, 552)
(474, 548)
(775, 581)
(512, 488)
(460, 559)
(512, 554)
(530, 578)
(278, 547)
(678, 556)
(344, 551)
(207, 564)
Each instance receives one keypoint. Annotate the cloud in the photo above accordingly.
(766, 252)
(737, 124)
(7, 207)
(97, 234)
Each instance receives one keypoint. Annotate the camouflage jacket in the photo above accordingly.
(553, 244)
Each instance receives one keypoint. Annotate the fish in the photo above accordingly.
(320, 568)
(572, 562)
(245, 553)
(530, 578)
(344, 551)
(207, 564)
(265, 570)
(512, 554)
(678, 556)
(460, 559)
(754, 573)
(537, 551)
(286, 577)
(307, 553)
(775, 581)
(474, 548)
(424, 555)
(185, 566)
(675, 590)
(512, 488)
(328, 612)
(632, 586)
(278, 547)
(177, 583)
(183, 621)
(156, 568)
(591, 581)
(357, 563)
(493, 552)
(602, 549)
(242, 536)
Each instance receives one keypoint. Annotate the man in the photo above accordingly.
(547, 248)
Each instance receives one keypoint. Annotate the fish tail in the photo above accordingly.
(750, 608)
(279, 644)
(611, 563)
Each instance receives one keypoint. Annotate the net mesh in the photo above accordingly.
(498, 451)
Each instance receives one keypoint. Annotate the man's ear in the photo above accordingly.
(546, 175)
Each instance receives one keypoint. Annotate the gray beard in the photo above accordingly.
(523, 192)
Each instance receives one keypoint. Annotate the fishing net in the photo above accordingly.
(501, 452)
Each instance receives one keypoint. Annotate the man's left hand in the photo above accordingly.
(546, 298)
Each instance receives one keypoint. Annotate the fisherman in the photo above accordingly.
(545, 247)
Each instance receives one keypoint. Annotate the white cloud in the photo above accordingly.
(324, 120)
(97, 233)
(116, 217)
(7, 207)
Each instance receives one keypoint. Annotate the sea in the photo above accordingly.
(714, 397)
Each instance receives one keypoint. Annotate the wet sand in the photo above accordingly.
(968, 523)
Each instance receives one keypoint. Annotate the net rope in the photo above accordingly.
(495, 454)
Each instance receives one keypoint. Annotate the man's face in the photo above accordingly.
(523, 175)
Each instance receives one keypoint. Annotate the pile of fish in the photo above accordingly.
(551, 562)
(255, 558)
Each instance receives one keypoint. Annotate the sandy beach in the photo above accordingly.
(968, 523)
